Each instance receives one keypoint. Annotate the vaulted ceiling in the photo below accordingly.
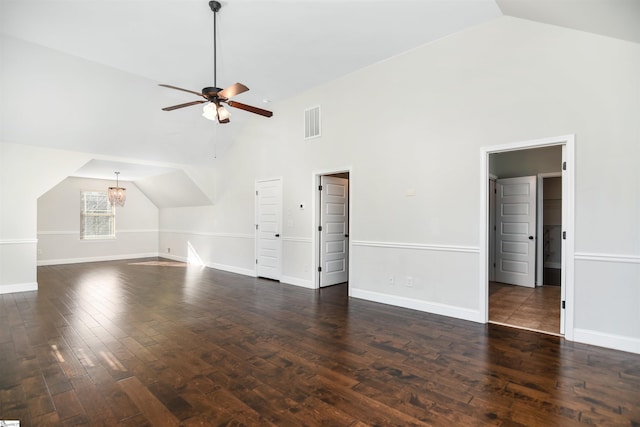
(82, 74)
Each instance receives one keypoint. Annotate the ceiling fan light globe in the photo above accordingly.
(209, 111)
(223, 113)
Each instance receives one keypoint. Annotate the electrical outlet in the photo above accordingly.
(168, 250)
(409, 281)
(391, 281)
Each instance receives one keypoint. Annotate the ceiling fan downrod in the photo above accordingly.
(215, 7)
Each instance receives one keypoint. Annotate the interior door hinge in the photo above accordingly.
(564, 235)
(319, 187)
(256, 226)
(319, 269)
(256, 192)
(256, 261)
(564, 305)
(319, 228)
(564, 166)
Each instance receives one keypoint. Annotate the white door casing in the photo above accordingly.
(568, 143)
(566, 272)
(515, 231)
(334, 223)
(268, 227)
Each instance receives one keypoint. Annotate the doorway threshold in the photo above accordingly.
(525, 328)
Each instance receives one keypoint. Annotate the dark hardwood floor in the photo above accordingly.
(152, 342)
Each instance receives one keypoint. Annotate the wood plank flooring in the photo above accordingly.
(157, 343)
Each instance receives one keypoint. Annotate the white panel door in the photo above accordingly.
(268, 226)
(515, 234)
(334, 220)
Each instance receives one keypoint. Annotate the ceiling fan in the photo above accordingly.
(214, 96)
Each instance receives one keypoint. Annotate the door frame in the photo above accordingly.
(540, 225)
(316, 207)
(568, 222)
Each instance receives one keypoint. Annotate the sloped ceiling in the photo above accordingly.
(82, 75)
(94, 66)
(174, 189)
(612, 18)
(165, 186)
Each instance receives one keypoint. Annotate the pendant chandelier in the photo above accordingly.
(117, 195)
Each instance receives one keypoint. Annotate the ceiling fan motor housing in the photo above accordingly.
(215, 6)
(211, 92)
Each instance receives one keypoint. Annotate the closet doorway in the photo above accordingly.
(537, 303)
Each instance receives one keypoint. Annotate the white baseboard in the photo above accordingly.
(296, 281)
(428, 307)
(216, 266)
(18, 287)
(173, 257)
(95, 259)
(232, 269)
(616, 342)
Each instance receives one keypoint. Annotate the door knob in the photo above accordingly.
(530, 237)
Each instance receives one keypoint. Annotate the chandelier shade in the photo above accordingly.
(117, 195)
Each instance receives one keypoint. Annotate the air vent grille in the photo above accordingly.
(312, 122)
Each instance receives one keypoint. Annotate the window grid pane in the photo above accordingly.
(97, 216)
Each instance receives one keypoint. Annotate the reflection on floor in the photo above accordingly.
(531, 308)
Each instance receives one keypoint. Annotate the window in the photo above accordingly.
(97, 216)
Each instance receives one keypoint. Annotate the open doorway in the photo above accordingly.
(549, 269)
(519, 241)
(332, 227)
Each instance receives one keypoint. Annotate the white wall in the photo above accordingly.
(59, 225)
(415, 122)
(25, 173)
(418, 122)
(191, 234)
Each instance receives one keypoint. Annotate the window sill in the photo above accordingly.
(98, 239)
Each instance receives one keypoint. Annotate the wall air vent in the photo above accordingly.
(312, 122)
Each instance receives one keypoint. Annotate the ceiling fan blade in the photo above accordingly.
(184, 90)
(232, 91)
(187, 104)
(249, 108)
